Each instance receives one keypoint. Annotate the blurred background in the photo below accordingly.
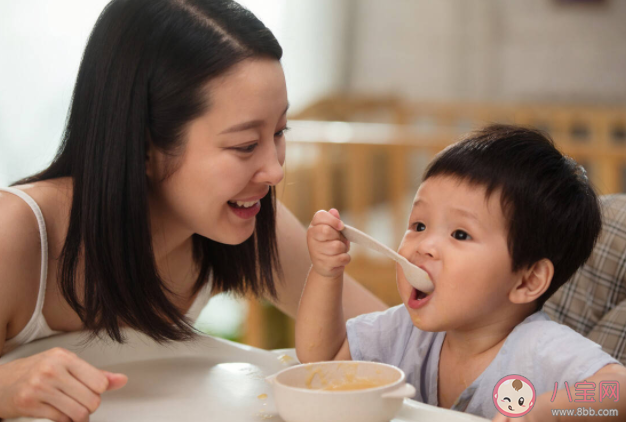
(376, 89)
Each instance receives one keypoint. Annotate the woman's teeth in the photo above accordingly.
(242, 204)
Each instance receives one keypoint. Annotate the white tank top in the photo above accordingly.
(37, 327)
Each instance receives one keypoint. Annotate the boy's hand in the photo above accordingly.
(327, 246)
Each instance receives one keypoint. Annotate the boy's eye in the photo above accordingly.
(461, 235)
(247, 148)
(419, 227)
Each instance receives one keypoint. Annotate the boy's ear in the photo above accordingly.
(533, 283)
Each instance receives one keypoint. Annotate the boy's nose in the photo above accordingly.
(427, 246)
(424, 247)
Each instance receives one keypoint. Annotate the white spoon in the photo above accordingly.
(417, 277)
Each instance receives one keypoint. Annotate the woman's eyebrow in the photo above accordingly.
(252, 124)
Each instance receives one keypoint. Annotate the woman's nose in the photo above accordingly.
(271, 171)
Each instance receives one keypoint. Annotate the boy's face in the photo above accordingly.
(459, 237)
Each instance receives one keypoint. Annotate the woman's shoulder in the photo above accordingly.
(54, 199)
(19, 231)
(20, 241)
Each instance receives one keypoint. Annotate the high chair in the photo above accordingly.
(593, 301)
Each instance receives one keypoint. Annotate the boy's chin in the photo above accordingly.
(423, 322)
(418, 321)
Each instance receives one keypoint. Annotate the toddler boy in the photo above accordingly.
(501, 220)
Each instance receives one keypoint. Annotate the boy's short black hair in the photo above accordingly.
(551, 209)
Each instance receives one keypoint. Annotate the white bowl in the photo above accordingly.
(300, 397)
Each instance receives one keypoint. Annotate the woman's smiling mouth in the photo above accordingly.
(247, 208)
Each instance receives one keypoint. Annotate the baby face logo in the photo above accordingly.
(514, 396)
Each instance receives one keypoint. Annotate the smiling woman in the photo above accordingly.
(161, 195)
(154, 159)
(239, 142)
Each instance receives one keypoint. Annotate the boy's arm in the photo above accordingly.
(320, 326)
(296, 263)
(543, 410)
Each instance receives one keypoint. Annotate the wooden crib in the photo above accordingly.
(365, 157)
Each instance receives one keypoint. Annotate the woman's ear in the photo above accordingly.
(533, 283)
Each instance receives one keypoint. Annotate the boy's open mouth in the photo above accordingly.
(418, 298)
(418, 294)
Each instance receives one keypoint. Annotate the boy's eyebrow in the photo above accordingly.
(461, 211)
(419, 202)
(467, 214)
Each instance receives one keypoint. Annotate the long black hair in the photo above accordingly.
(143, 74)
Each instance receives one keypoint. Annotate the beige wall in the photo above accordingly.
(494, 50)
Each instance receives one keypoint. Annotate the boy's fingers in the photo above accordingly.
(334, 213)
(333, 248)
(344, 259)
(325, 233)
(345, 241)
(325, 217)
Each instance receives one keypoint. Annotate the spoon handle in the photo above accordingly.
(416, 277)
(357, 236)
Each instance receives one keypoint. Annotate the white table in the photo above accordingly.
(208, 379)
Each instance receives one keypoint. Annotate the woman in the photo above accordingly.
(160, 196)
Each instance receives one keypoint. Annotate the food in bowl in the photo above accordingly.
(342, 391)
(345, 378)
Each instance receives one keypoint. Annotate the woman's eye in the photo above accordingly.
(281, 133)
(247, 148)
(460, 235)
(419, 227)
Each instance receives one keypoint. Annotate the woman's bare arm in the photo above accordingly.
(296, 263)
(54, 384)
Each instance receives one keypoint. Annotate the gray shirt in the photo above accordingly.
(541, 350)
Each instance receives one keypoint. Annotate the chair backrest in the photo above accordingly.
(593, 302)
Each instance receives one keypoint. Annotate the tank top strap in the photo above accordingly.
(44, 247)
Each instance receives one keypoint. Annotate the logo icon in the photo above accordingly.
(514, 396)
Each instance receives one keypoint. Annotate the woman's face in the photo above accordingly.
(232, 155)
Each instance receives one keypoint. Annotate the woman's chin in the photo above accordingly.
(234, 237)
